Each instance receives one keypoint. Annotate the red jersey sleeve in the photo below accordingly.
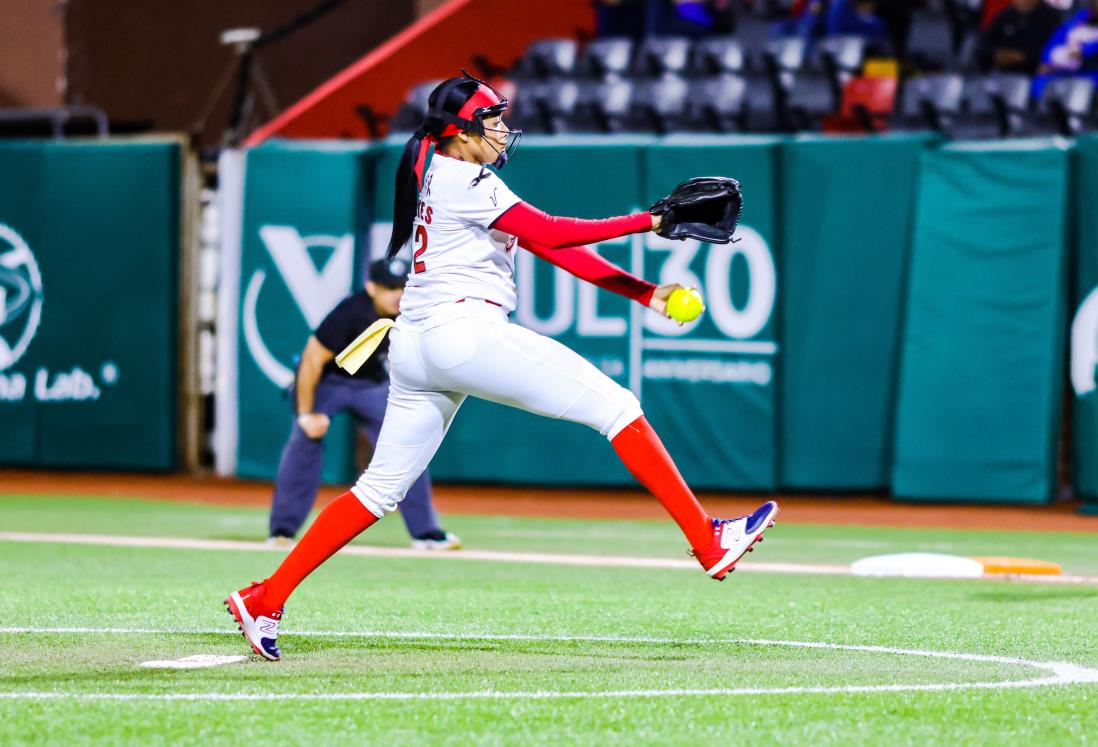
(532, 226)
(586, 264)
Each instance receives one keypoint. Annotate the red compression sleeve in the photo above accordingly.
(532, 226)
(586, 264)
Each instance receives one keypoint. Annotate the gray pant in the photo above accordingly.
(303, 458)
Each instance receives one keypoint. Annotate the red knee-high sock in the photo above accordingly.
(642, 452)
(340, 522)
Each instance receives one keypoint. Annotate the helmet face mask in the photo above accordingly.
(514, 137)
(511, 139)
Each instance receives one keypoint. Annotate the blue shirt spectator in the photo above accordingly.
(809, 23)
(1072, 51)
(857, 18)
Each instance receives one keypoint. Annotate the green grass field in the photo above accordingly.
(397, 651)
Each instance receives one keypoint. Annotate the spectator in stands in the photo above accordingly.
(807, 20)
(724, 16)
(1072, 51)
(856, 17)
(1014, 41)
(691, 18)
(872, 19)
(620, 18)
(897, 15)
(991, 11)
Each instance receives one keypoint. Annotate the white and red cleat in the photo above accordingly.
(733, 538)
(256, 620)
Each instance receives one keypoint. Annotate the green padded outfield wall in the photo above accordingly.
(89, 237)
(981, 369)
(305, 215)
(1084, 327)
(708, 389)
(846, 227)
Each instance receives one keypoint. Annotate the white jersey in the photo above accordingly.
(455, 254)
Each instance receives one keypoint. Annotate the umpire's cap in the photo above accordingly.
(391, 273)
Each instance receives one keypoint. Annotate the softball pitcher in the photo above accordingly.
(453, 339)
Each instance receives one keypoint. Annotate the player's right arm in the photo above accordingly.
(313, 359)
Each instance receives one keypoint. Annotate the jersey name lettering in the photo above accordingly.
(424, 212)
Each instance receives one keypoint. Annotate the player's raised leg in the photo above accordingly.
(717, 543)
(505, 363)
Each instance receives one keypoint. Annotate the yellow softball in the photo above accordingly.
(685, 304)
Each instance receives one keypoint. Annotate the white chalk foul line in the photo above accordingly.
(497, 556)
(1058, 673)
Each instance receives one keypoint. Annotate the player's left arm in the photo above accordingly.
(533, 226)
(587, 264)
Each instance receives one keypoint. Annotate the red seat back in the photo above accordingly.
(876, 95)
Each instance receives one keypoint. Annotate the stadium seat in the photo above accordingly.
(606, 58)
(933, 101)
(787, 55)
(658, 55)
(845, 52)
(658, 105)
(546, 106)
(783, 59)
(817, 87)
(753, 32)
(1010, 101)
(718, 54)
(930, 41)
(724, 69)
(717, 104)
(1067, 104)
(548, 58)
(411, 113)
(868, 103)
(601, 106)
(963, 17)
(978, 118)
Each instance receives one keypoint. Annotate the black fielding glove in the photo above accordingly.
(705, 207)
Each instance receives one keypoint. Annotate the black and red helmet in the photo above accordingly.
(485, 103)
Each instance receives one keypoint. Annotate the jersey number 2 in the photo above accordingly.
(419, 265)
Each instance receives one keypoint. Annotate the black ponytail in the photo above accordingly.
(406, 188)
(405, 193)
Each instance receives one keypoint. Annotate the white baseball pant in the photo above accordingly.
(470, 348)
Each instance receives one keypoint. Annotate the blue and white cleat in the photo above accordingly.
(259, 625)
(734, 538)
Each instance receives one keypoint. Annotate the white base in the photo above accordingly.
(197, 661)
(918, 565)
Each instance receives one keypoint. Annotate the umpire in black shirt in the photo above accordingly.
(322, 389)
